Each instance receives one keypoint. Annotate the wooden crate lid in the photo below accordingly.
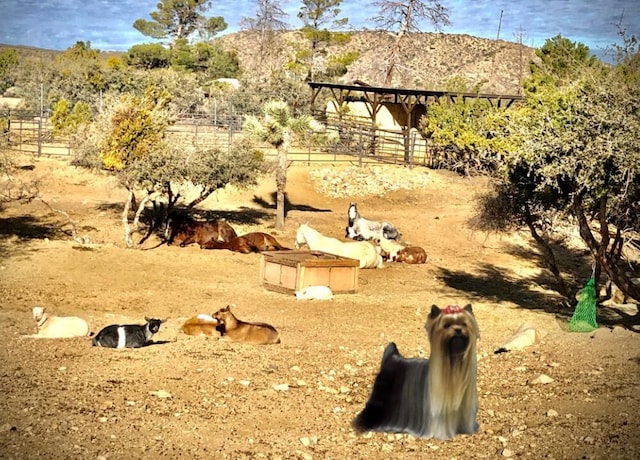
(308, 258)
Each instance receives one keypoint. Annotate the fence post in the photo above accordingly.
(412, 147)
(40, 135)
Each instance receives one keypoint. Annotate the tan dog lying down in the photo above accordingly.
(58, 327)
(201, 324)
(235, 330)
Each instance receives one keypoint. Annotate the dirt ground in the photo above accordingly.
(194, 397)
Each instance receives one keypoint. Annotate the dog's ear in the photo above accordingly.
(435, 311)
(468, 308)
(163, 320)
(147, 319)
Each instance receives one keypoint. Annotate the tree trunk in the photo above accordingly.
(613, 271)
(125, 219)
(548, 256)
(143, 203)
(281, 184)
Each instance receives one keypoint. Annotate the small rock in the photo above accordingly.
(305, 441)
(541, 379)
(244, 383)
(281, 387)
(552, 413)
(162, 394)
(507, 453)
(525, 336)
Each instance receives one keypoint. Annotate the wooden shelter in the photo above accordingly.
(413, 102)
(406, 106)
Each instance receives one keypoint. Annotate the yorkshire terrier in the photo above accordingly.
(434, 398)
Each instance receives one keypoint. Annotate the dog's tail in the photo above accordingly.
(399, 397)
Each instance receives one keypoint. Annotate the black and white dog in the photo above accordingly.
(127, 335)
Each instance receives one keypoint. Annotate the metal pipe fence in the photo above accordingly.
(348, 139)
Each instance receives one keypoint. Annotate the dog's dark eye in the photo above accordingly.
(446, 325)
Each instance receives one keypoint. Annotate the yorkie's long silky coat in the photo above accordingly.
(434, 398)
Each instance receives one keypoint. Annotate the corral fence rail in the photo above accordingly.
(351, 139)
(29, 132)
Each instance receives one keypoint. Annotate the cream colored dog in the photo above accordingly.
(58, 327)
(389, 248)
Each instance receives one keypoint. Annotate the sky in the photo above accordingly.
(108, 24)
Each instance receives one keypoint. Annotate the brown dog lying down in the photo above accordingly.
(235, 330)
(411, 255)
(251, 242)
(58, 327)
(201, 324)
(396, 252)
(184, 231)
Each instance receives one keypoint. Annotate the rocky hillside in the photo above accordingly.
(430, 60)
(427, 62)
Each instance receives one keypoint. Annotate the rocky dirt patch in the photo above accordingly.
(189, 397)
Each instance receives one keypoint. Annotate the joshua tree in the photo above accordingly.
(278, 128)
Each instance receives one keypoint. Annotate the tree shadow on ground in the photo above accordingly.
(288, 205)
(24, 228)
(500, 285)
(112, 208)
(575, 264)
(27, 227)
(577, 269)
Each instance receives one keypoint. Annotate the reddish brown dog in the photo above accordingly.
(251, 242)
(411, 255)
(184, 231)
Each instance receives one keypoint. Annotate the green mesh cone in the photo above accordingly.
(584, 317)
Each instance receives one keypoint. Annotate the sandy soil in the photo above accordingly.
(193, 397)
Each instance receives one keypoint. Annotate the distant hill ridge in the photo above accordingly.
(427, 62)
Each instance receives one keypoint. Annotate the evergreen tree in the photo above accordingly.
(179, 19)
(318, 16)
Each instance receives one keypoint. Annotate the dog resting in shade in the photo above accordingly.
(434, 398)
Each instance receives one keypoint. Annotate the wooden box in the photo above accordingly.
(289, 271)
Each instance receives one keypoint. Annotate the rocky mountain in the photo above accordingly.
(428, 60)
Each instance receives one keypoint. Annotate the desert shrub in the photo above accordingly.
(467, 133)
(148, 56)
(66, 121)
(574, 150)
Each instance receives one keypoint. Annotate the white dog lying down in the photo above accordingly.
(315, 293)
(58, 327)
